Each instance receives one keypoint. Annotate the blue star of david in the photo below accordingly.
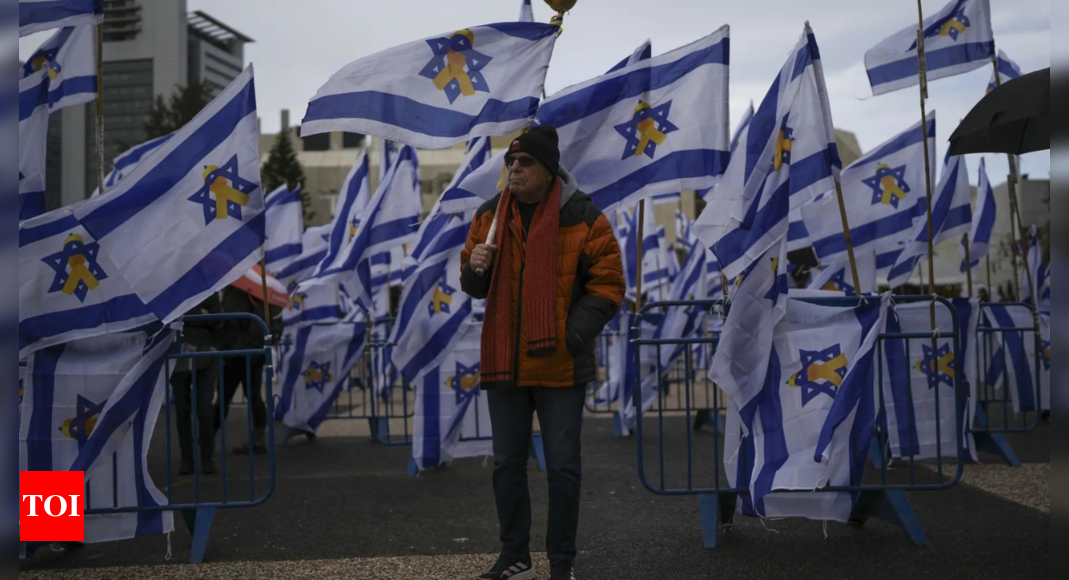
(633, 132)
(456, 382)
(78, 428)
(49, 57)
(206, 198)
(788, 139)
(960, 16)
(876, 184)
(813, 389)
(439, 304)
(935, 29)
(473, 64)
(59, 262)
(930, 360)
(839, 281)
(324, 376)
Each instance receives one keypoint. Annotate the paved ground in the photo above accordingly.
(344, 508)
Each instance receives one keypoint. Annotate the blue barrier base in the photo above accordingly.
(892, 507)
(715, 510)
(537, 451)
(617, 425)
(413, 469)
(993, 443)
(380, 429)
(199, 522)
(707, 417)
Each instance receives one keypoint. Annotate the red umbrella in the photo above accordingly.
(252, 283)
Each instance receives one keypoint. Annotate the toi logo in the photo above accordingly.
(52, 506)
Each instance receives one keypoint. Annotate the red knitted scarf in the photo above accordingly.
(538, 294)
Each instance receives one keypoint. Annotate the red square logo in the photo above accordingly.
(52, 506)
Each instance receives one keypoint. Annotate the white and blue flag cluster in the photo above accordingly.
(315, 369)
(957, 39)
(41, 15)
(284, 225)
(983, 221)
(433, 93)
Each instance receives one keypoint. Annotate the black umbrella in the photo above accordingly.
(1014, 118)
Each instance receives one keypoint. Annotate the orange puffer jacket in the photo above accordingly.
(590, 289)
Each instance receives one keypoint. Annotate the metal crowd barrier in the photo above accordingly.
(197, 500)
(995, 416)
(686, 470)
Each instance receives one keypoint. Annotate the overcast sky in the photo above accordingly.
(299, 44)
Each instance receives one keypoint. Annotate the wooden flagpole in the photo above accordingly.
(846, 235)
(968, 263)
(922, 69)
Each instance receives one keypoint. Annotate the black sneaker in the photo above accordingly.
(508, 568)
(186, 467)
(562, 572)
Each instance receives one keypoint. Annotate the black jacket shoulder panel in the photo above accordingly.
(579, 209)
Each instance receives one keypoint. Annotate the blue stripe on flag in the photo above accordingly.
(32, 98)
(39, 439)
(867, 233)
(937, 59)
(282, 252)
(218, 263)
(677, 165)
(807, 172)
(52, 324)
(733, 246)
(1014, 347)
(148, 522)
(437, 341)
(44, 12)
(283, 198)
(763, 124)
(179, 163)
(70, 87)
(35, 234)
(31, 205)
(355, 345)
(301, 264)
(776, 452)
(898, 144)
(414, 116)
(526, 30)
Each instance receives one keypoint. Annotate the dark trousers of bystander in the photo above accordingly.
(236, 373)
(205, 388)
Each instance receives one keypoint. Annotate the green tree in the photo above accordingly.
(170, 115)
(283, 168)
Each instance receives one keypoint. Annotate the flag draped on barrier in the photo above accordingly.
(957, 39)
(187, 222)
(838, 277)
(684, 321)
(433, 93)
(811, 423)
(40, 15)
(91, 405)
(951, 217)
(284, 222)
(884, 192)
(983, 222)
(1015, 357)
(315, 369)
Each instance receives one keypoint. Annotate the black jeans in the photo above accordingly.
(182, 383)
(234, 373)
(560, 414)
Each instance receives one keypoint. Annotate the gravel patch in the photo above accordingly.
(1028, 485)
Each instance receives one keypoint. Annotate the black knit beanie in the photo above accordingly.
(541, 143)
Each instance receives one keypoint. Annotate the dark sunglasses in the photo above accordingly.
(524, 161)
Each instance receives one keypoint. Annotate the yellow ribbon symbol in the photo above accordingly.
(944, 365)
(440, 299)
(79, 269)
(647, 130)
(223, 193)
(954, 24)
(40, 62)
(454, 68)
(313, 375)
(467, 382)
(828, 371)
(889, 183)
(353, 228)
(783, 145)
(297, 300)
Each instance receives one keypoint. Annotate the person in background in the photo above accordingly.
(201, 373)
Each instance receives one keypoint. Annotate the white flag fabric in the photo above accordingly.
(1007, 70)
(654, 127)
(33, 144)
(811, 426)
(951, 218)
(983, 221)
(129, 160)
(187, 222)
(40, 15)
(919, 384)
(883, 192)
(1014, 360)
(433, 93)
(70, 64)
(284, 225)
(684, 321)
(319, 304)
(786, 157)
(643, 52)
(957, 39)
(655, 266)
(452, 417)
(838, 276)
(91, 405)
(316, 369)
(351, 203)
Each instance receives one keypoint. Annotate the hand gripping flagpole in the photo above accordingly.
(561, 6)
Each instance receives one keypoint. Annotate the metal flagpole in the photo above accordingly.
(968, 263)
(922, 69)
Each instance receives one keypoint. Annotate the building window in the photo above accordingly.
(352, 140)
(128, 98)
(320, 142)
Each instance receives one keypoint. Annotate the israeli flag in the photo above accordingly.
(747, 118)
(951, 217)
(1007, 70)
(129, 160)
(922, 417)
(983, 221)
(33, 144)
(91, 405)
(1036, 279)
(957, 39)
(320, 304)
(476, 157)
(284, 225)
(69, 61)
(1024, 362)
(790, 157)
(626, 374)
(526, 11)
(684, 230)
(390, 218)
(838, 276)
(684, 321)
(884, 192)
(469, 192)
(798, 237)
(452, 417)
(812, 424)
(316, 369)
(433, 93)
(40, 15)
(654, 127)
(654, 255)
(351, 203)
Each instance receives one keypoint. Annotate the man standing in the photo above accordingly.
(552, 279)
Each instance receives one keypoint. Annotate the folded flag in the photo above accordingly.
(883, 191)
(957, 39)
(40, 15)
(284, 224)
(983, 221)
(433, 93)
(69, 61)
(951, 217)
(838, 277)
(786, 157)
(316, 369)
(1007, 71)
